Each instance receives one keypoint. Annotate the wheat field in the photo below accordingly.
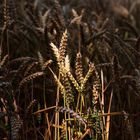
(69, 70)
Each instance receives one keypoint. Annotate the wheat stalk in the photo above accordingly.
(79, 68)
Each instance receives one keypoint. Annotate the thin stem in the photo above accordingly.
(57, 113)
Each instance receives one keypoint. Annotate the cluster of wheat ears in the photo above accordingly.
(69, 71)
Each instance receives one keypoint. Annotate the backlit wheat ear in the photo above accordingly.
(90, 72)
(79, 68)
(65, 81)
(56, 52)
(30, 77)
(76, 85)
(63, 45)
(96, 88)
(67, 63)
(95, 94)
(69, 97)
(64, 71)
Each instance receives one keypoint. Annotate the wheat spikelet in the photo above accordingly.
(95, 94)
(64, 72)
(69, 96)
(42, 63)
(76, 85)
(96, 88)
(30, 106)
(63, 45)
(56, 26)
(44, 17)
(59, 13)
(96, 124)
(56, 52)
(65, 81)
(61, 53)
(75, 14)
(79, 68)
(39, 116)
(64, 67)
(67, 63)
(63, 130)
(6, 14)
(41, 59)
(30, 77)
(105, 24)
(77, 18)
(46, 64)
(90, 72)
(30, 67)
(16, 124)
(94, 121)
(2, 62)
